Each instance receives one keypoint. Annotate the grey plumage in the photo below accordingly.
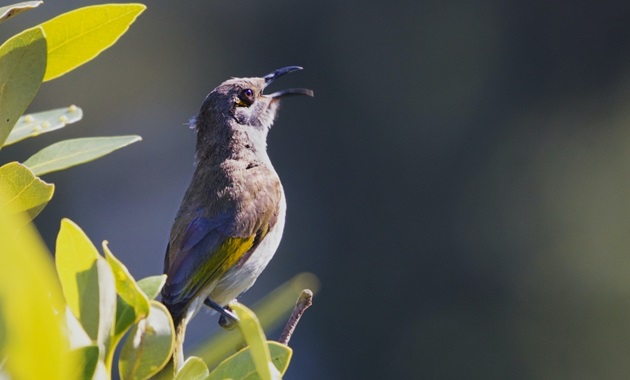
(230, 222)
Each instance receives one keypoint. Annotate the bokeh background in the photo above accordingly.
(460, 183)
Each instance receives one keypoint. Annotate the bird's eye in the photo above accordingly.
(246, 97)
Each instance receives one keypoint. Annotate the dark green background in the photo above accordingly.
(460, 183)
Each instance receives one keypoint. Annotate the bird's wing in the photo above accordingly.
(209, 247)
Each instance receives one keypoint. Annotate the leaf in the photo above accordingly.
(77, 37)
(75, 253)
(87, 282)
(240, 365)
(125, 318)
(33, 341)
(152, 285)
(193, 369)
(11, 11)
(88, 356)
(256, 341)
(22, 66)
(23, 190)
(67, 153)
(270, 311)
(76, 334)
(133, 304)
(42, 122)
(149, 346)
(101, 372)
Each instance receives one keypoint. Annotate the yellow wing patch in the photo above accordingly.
(226, 256)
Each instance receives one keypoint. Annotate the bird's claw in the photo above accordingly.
(228, 319)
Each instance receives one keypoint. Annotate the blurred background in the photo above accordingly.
(460, 183)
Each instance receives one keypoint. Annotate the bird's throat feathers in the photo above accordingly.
(232, 141)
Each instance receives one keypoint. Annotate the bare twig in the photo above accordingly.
(303, 302)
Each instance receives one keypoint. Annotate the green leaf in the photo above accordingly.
(42, 122)
(88, 356)
(33, 341)
(75, 253)
(125, 318)
(22, 66)
(67, 153)
(24, 191)
(152, 285)
(77, 335)
(133, 304)
(77, 37)
(255, 338)
(193, 369)
(149, 346)
(11, 11)
(271, 312)
(98, 298)
(240, 365)
(87, 282)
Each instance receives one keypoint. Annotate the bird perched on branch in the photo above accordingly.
(231, 219)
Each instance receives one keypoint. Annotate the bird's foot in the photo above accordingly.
(228, 319)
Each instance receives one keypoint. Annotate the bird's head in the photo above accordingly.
(241, 100)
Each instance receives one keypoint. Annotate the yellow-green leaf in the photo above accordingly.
(240, 365)
(270, 311)
(126, 286)
(77, 37)
(88, 357)
(135, 305)
(35, 124)
(77, 335)
(23, 190)
(87, 282)
(11, 11)
(67, 153)
(32, 334)
(152, 285)
(149, 346)
(75, 254)
(254, 336)
(193, 369)
(22, 66)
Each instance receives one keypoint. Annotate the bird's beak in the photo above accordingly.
(270, 78)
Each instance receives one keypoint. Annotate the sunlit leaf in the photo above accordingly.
(254, 336)
(75, 254)
(77, 335)
(240, 365)
(67, 153)
(23, 190)
(193, 369)
(133, 304)
(22, 66)
(11, 11)
(35, 124)
(271, 312)
(32, 333)
(77, 37)
(149, 345)
(88, 357)
(87, 282)
(125, 318)
(152, 285)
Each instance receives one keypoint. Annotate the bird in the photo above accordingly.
(232, 216)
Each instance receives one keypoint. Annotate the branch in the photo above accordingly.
(303, 302)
